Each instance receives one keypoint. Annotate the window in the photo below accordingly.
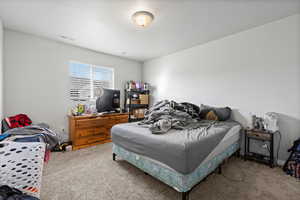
(86, 78)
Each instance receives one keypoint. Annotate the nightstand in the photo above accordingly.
(265, 136)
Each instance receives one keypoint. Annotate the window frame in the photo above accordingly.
(91, 66)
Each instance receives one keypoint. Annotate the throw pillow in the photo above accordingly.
(211, 115)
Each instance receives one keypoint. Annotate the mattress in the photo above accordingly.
(180, 182)
(232, 137)
(180, 150)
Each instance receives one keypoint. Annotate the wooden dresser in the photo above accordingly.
(85, 131)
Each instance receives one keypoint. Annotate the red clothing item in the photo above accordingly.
(19, 120)
(47, 156)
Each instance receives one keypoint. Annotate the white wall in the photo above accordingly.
(36, 76)
(1, 70)
(256, 71)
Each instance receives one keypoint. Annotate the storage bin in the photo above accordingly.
(144, 99)
(21, 165)
(139, 113)
(135, 101)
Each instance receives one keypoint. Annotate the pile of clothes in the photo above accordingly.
(166, 114)
(16, 121)
(8, 193)
(292, 165)
(19, 128)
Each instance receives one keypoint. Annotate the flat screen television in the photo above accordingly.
(109, 101)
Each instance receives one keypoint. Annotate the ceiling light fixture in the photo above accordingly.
(142, 18)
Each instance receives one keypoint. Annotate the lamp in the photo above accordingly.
(142, 18)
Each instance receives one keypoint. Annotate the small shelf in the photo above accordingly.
(137, 91)
(136, 106)
(262, 136)
(258, 158)
(132, 103)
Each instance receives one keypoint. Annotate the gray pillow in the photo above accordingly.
(223, 113)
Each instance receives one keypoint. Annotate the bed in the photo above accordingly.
(179, 158)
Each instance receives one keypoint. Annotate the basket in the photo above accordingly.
(21, 166)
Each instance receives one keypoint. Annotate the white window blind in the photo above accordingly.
(85, 78)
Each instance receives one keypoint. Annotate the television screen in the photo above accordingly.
(109, 101)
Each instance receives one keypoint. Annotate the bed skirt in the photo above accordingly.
(180, 182)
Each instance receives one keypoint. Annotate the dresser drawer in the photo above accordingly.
(259, 135)
(95, 131)
(120, 119)
(123, 117)
(123, 120)
(87, 123)
(89, 140)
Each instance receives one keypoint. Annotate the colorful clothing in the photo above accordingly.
(19, 120)
(292, 165)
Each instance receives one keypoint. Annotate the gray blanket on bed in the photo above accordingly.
(164, 115)
(182, 150)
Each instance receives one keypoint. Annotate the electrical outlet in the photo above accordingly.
(264, 146)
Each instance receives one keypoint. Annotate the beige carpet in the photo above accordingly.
(90, 174)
